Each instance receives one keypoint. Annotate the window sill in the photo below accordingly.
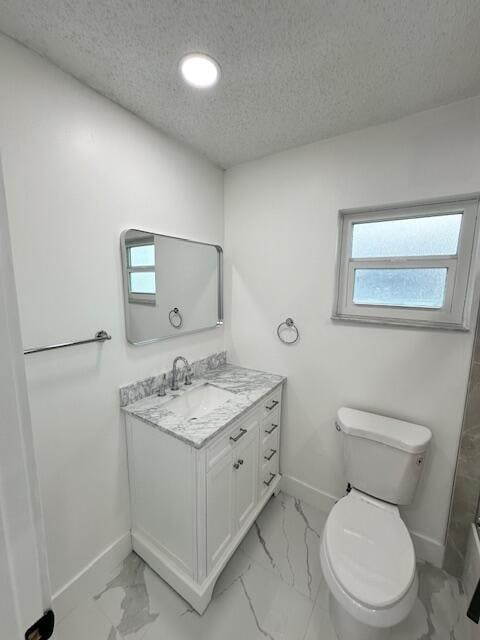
(415, 324)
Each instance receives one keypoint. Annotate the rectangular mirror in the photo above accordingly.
(171, 286)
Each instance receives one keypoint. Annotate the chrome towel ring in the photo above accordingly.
(175, 318)
(288, 328)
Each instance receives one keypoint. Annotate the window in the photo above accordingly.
(407, 264)
(141, 271)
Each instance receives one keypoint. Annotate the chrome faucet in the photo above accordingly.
(188, 373)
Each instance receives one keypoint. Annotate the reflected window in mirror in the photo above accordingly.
(141, 269)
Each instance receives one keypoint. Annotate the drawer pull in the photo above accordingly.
(269, 431)
(273, 452)
(238, 463)
(272, 406)
(237, 438)
(269, 482)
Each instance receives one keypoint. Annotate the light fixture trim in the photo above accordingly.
(199, 70)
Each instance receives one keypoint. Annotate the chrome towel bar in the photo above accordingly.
(100, 336)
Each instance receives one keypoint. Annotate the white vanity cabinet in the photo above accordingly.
(192, 507)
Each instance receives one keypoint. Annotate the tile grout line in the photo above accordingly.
(113, 626)
(311, 616)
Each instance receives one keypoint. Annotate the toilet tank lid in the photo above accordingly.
(406, 436)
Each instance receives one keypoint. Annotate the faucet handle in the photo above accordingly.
(163, 386)
(188, 375)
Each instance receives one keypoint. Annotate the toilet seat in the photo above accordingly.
(368, 560)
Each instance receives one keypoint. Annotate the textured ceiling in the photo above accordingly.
(294, 71)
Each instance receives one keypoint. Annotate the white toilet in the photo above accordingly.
(366, 552)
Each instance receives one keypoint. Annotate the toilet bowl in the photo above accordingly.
(368, 562)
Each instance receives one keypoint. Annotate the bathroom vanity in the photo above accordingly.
(203, 462)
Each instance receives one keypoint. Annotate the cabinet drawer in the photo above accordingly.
(234, 435)
(270, 449)
(271, 403)
(268, 475)
(270, 425)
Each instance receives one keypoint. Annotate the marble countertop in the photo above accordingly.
(247, 386)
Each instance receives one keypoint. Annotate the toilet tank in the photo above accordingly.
(383, 457)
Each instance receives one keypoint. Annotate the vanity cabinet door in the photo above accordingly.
(246, 478)
(220, 510)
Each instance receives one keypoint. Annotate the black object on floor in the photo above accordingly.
(473, 611)
(43, 628)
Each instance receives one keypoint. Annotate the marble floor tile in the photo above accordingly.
(319, 625)
(271, 589)
(286, 539)
(249, 603)
(443, 603)
(125, 600)
(86, 621)
(438, 613)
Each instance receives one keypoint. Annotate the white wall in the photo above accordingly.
(281, 234)
(78, 170)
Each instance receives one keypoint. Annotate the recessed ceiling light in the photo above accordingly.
(199, 70)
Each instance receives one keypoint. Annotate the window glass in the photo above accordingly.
(427, 236)
(400, 287)
(141, 256)
(142, 282)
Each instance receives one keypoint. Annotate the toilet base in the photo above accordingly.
(348, 628)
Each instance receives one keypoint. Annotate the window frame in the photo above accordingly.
(133, 296)
(455, 312)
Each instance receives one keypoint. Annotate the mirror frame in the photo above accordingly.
(123, 251)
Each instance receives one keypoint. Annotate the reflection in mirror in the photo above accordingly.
(172, 286)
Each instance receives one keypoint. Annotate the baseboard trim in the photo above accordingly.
(305, 492)
(92, 578)
(425, 548)
(428, 549)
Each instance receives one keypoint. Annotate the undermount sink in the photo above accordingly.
(198, 402)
